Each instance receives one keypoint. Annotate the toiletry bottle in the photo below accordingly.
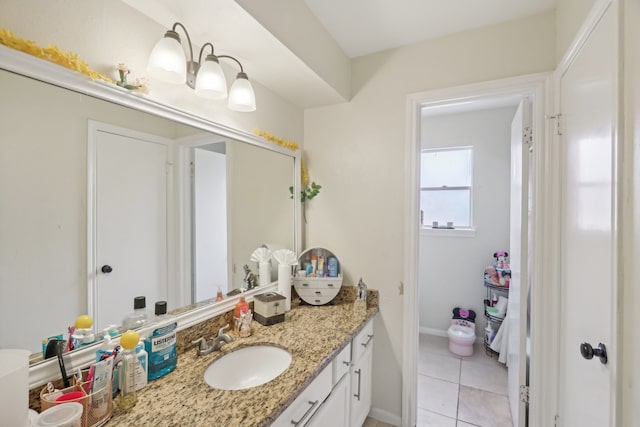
(332, 267)
(314, 264)
(242, 306)
(161, 344)
(110, 349)
(219, 296)
(488, 333)
(128, 341)
(83, 333)
(142, 365)
(320, 272)
(139, 317)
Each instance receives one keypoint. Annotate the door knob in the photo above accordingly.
(106, 269)
(588, 352)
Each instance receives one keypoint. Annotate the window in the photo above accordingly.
(445, 186)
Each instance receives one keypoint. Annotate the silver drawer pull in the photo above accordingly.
(365, 344)
(330, 285)
(346, 362)
(313, 405)
(357, 395)
(305, 284)
(318, 293)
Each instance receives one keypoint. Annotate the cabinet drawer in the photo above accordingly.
(317, 300)
(308, 402)
(341, 364)
(317, 282)
(309, 293)
(362, 341)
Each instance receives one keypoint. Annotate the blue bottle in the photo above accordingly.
(332, 267)
(161, 343)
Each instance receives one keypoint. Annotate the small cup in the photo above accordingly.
(449, 224)
(434, 224)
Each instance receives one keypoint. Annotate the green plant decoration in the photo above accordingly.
(308, 192)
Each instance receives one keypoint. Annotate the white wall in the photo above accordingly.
(356, 152)
(570, 14)
(451, 267)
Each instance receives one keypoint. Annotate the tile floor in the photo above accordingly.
(455, 391)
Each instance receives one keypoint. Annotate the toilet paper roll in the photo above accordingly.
(264, 270)
(284, 284)
(14, 387)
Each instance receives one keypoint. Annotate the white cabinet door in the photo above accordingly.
(361, 375)
(334, 410)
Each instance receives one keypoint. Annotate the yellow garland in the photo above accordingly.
(50, 53)
(303, 172)
(281, 142)
(287, 144)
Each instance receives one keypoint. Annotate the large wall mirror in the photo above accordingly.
(102, 202)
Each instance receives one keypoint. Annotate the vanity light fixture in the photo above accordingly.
(169, 64)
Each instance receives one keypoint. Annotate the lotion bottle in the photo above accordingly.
(128, 397)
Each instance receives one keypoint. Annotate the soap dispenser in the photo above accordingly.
(83, 334)
(242, 306)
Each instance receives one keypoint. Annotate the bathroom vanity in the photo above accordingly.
(327, 383)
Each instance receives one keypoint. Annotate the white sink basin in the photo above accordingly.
(247, 367)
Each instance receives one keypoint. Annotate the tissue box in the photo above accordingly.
(324, 280)
(268, 308)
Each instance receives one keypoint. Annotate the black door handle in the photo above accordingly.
(588, 352)
(106, 269)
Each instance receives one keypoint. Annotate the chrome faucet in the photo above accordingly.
(214, 344)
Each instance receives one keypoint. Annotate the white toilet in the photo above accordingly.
(462, 332)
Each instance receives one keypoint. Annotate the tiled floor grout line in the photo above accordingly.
(472, 363)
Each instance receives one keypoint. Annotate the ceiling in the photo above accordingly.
(256, 35)
(362, 27)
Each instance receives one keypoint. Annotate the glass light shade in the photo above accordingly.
(168, 62)
(241, 96)
(210, 82)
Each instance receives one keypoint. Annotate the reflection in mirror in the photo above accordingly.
(80, 193)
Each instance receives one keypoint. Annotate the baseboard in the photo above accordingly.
(441, 333)
(385, 417)
(432, 331)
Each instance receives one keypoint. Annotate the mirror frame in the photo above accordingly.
(32, 67)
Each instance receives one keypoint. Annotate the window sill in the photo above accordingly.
(448, 232)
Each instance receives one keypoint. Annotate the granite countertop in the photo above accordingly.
(312, 334)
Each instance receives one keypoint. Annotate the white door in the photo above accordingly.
(209, 224)
(128, 228)
(518, 257)
(588, 278)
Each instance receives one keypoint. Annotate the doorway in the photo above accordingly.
(481, 194)
(532, 87)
